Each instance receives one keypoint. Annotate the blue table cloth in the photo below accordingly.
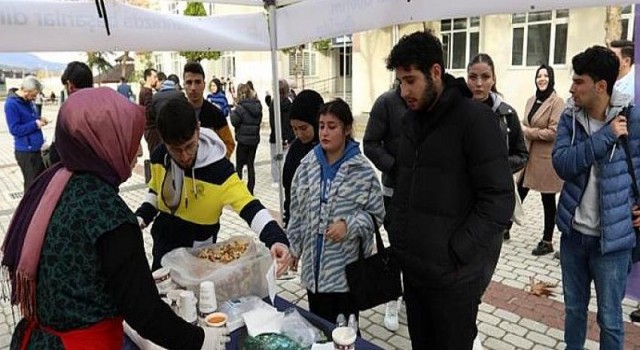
(281, 305)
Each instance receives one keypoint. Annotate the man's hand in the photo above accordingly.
(635, 211)
(619, 126)
(337, 231)
(280, 253)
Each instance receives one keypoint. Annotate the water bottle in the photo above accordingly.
(353, 323)
(341, 321)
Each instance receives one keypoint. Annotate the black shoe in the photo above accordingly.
(507, 235)
(543, 248)
(635, 316)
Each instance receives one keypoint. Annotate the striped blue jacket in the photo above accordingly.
(355, 192)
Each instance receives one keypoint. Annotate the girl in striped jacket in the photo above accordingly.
(334, 194)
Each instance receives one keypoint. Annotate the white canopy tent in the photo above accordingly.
(61, 25)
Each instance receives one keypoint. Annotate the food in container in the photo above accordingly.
(216, 319)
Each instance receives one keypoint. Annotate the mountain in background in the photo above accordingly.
(29, 62)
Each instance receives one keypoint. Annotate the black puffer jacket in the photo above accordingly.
(382, 136)
(454, 194)
(287, 133)
(246, 119)
(511, 132)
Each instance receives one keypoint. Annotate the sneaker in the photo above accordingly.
(391, 316)
(635, 316)
(507, 235)
(543, 248)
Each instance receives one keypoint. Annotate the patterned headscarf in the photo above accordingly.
(98, 131)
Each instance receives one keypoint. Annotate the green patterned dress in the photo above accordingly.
(71, 288)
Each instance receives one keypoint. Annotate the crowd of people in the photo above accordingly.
(446, 212)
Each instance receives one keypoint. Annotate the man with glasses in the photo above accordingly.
(191, 182)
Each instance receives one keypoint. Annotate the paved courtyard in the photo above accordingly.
(509, 317)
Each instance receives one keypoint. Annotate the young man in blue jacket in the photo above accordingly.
(25, 127)
(596, 212)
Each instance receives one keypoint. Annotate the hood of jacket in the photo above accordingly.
(418, 122)
(210, 148)
(579, 115)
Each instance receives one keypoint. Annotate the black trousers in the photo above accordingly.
(31, 165)
(441, 319)
(246, 155)
(330, 305)
(549, 207)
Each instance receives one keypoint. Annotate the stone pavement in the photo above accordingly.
(509, 318)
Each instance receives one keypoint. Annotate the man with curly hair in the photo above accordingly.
(453, 197)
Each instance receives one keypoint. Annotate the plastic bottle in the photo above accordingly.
(353, 323)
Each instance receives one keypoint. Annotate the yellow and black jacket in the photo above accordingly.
(187, 204)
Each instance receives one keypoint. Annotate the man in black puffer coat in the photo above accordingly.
(453, 197)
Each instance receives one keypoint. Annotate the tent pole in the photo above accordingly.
(273, 39)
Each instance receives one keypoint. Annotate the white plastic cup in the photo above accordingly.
(344, 338)
(187, 306)
(208, 302)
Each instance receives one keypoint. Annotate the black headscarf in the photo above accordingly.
(542, 96)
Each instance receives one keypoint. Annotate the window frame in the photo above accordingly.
(468, 30)
(311, 69)
(554, 22)
(630, 18)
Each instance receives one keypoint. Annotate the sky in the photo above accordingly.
(61, 57)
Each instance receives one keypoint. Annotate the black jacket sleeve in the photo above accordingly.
(131, 286)
(374, 135)
(518, 154)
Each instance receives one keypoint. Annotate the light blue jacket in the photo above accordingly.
(575, 152)
(355, 192)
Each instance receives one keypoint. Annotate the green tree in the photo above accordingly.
(99, 61)
(197, 9)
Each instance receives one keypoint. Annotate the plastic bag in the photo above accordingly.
(296, 327)
(241, 277)
(234, 308)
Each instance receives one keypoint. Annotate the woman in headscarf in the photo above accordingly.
(542, 112)
(74, 251)
(303, 117)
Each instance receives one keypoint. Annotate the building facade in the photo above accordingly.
(353, 67)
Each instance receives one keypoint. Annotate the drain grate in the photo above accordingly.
(16, 195)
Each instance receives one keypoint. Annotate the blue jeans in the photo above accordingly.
(582, 262)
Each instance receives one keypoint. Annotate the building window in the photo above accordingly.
(627, 22)
(228, 64)
(306, 60)
(176, 63)
(157, 59)
(174, 8)
(539, 37)
(460, 41)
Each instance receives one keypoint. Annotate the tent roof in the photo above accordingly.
(48, 25)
